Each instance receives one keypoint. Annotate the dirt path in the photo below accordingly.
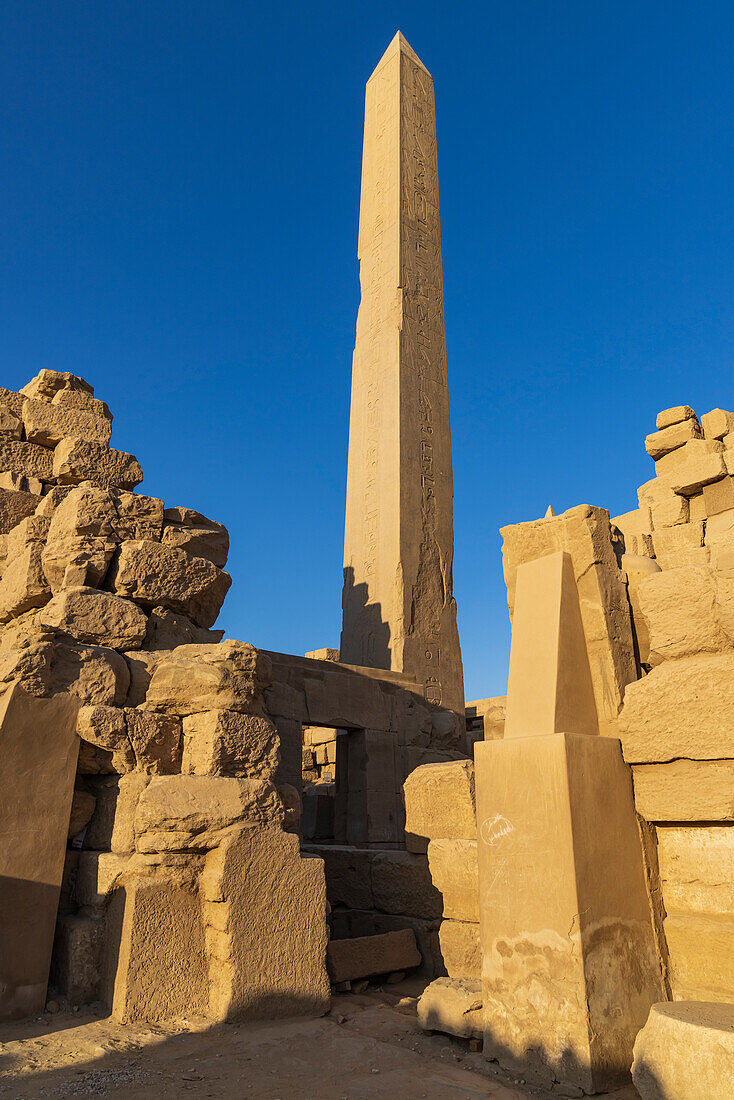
(366, 1046)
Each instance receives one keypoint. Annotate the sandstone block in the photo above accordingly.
(666, 507)
(701, 956)
(77, 957)
(81, 399)
(207, 540)
(348, 875)
(697, 508)
(668, 715)
(31, 529)
(401, 883)
(669, 439)
(455, 874)
(674, 416)
(47, 424)
(23, 585)
(112, 824)
(186, 812)
(453, 1006)
(95, 618)
(47, 384)
(22, 484)
(76, 562)
(155, 739)
(225, 742)
(685, 790)
(368, 956)
(168, 629)
(717, 423)
(10, 425)
(96, 876)
(105, 728)
(719, 496)
(15, 506)
(82, 808)
(636, 528)
(691, 477)
(152, 575)
(439, 804)
(685, 1051)
(12, 401)
(96, 675)
(196, 678)
(680, 610)
(52, 498)
(679, 545)
(461, 949)
(141, 666)
(76, 460)
(84, 510)
(138, 516)
(695, 868)
(694, 449)
(27, 459)
(332, 655)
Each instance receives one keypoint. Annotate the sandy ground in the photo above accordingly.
(369, 1045)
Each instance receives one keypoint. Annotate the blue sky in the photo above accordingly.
(179, 194)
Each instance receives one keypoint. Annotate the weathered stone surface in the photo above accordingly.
(95, 618)
(695, 868)
(439, 804)
(585, 533)
(96, 876)
(112, 824)
(48, 424)
(82, 808)
(96, 675)
(77, 957)
(401, 883)
(668, 714)
(187, 812)
(266, 928)
(452, 1005)
(398, 607)
(225, 742)
(23, 585)
(79, 561)
(685, 1051)
(21, 484)
(685, 790)
(31, 529)
(26, 458)
(694, 449)
(168, 629)
(76, 460)
(12, 401)
(141, 666)
(366, 956)
(455, 874)
(719, 496)
(138, 516)
(681, 613)
(679, 545)
(701, 956)
(105, 728)
(348, 875)
(155, 575)
(10, 425)
(84, 510)
(691, 477)
(196, 678)
(717, 423)
(197, 535)
(15, 506)
(47, 384)
(48, 503)
(461, 949)
(636, 528)
(666, 507)
(672, 437)
(156, 741)
(674, 415)
(81, 399)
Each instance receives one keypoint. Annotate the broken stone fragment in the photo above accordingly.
(85, 510)
(152, 575)
(455, 874)
(453, 1006)
(141, 665)
(461, 949)
(195, 678)
(94, 674)
(685, 1051)
(690, 478)
(48, 503)
(674, 415)
(225, 742)
(96, 876)
(138, 516)
(12, 401)
(669, 464)
(23, 585)
(76, 561)
(201, 539)
(81, 399)
(680, 610)
(168, 629)
(95, 618)
(155, 739)
(666, 507)
(21, 483)
(439, 804)
(15, 506)
(47, 384)
(105, 728)
(717, 424)
(76, 460)
(47, 424)
(28, 459)
(10, 425)
(668, 439)
(367, 956)
(31, 529)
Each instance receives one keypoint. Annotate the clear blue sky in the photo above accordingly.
(179, 192)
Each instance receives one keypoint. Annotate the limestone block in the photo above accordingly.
(455, 874)
(27, 459)
(691, 451)
(186, 812)
(196, 678)
(95, 618)
(206, 540)
(461, 949)
(23, 585)
(161, 970)
(401, 883)
(348, 875)
(691, 477)
(674, 416)
(695, 868)
(680, 611)
(38, 743)
(96, 876)
(47, 424)
(368, 956)
(12, 401)
(439, 804)
(685, 1051)
(11, 426)
(685, 790)
(78, 561)
(168, 629)
(701, 956)
(678, 546)
(76, 460)
(106, 729)
(82, 808)
(719, 496)
(138, 516)
(155, 739)
(15, 506)
(156, 575)
(453, 1006)
(717, 423)
(585, 533)
(666, 507)
(669, 439)
(636, 528)
(77, 957)
(225, 742)
(47, 384)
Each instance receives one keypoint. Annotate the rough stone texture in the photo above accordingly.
(585, 533)
(12, 401)
(121, 837)
(95, 618)
(348, 876)
(27, 459)
(692, 450)
(23, 585)
(453, 1006)
(701, 950)
(82, 808)
(76, 561)
(680, 545)
(455, 874)
(96, 876)
(266, 928)
(47, 424)
(674, 415)
(169, 629)
(224, 742)
(696, 868)
(196, 678)
(155, 575)
(202, 539)
(15, 506)
(717, 423)
(439, 804)
(681, 613)
(105, 728)
(156, 741)
(685, 790)
(398, 607)
(76, 460)
(461, 949)
(691, 477)
(77, 957)
(666, 507)
(719, 496)
(668, 714)
(672, 437)
(141, 666)
(685, 1051)
(367, 956)
(401, 883)
(47, 384)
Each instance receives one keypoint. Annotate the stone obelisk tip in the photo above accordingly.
(400, 44)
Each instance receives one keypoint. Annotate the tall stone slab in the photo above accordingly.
(398, 607)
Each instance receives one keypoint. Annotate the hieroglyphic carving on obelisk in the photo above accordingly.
(398, 607)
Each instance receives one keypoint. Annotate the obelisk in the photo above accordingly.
(399, 612)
